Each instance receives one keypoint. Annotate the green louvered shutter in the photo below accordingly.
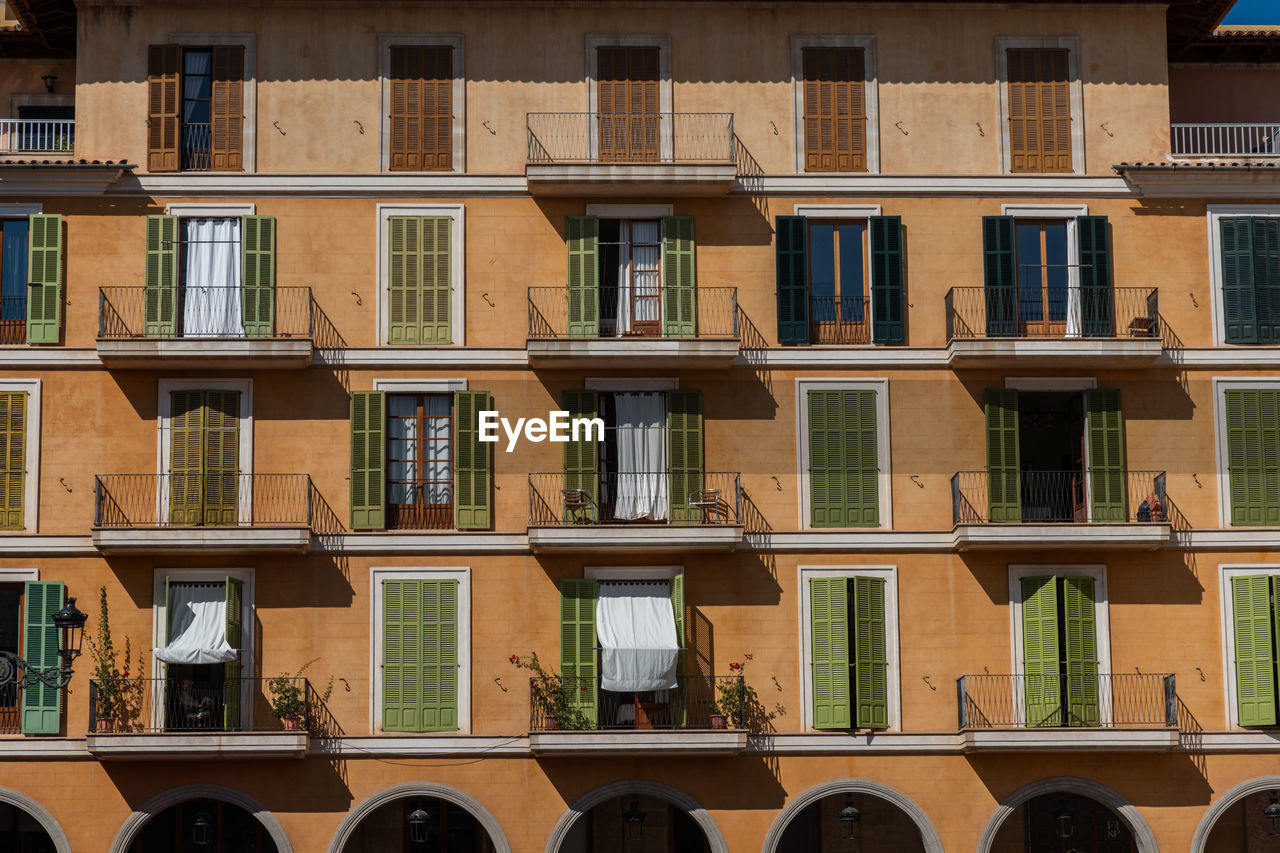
(583, 290)
(1081, 640)
(41, 704)
(685, 450)
(13, 458)
(439, 638)
(1004, 502)
(792, 249)
(1097, 315)
(1266, 277)
(829, 627)
(258, 275)
(1041, 666)
(160, 278)
(998, 279)
(679, 278)
(680, 696)
(1255, 662)
(186, 457)
(220, 466)
(870, 654)
(888, 297)
(419, 280)
(1239, 301)
(44, 271)
(234, 669)
(843, 465)
(1253, 455)
(578, 641)
(582, 457)
(1106, 454)
(368, 460)
(402, 664)
(472, 464)
(437, 280)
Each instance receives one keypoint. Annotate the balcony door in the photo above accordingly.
(420, 461)
(1043, 277)
(13, 280)
(630, 278)
(1051, 438)
(629, 120)
(204, 458)
(837, 282)
(202, 688)
(1060, 651)
(10, 641)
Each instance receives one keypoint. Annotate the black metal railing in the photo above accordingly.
(1225, 140)
(197, 147)
(13, 319)
(696, 702)
(657, 312)
(20, 135)
(204, 312)
(1118, 701)
(1070, 312)
(11, 708)
(197, 706)
(202, 500)
(703, 498)
(1098, 496)
(624, 138)
(844, 320)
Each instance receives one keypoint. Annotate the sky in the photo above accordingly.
(1254, 12)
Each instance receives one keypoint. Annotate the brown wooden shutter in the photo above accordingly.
(163, 62)
(1039, 110)
(628, 103)
(835, 110)
(422, 108)
(227, 110)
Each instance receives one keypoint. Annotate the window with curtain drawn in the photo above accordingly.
(835, 109)
(1039, 119)
(1252, 421)
(419, 655)
(849, 676)
(13, 459)
(421, 118)
(195, 115)
(202, 686)
(1060, 651)
(1250, 278)
(1254, 615)
(844, 473)
(420, 461)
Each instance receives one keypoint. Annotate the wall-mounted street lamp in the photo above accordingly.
(17, 671)
(633, 817)
(49, 80)
(849, 819)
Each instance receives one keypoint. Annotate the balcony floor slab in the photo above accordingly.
(1131, 537)
(219, 353)
(237, 745)
(691, 742)
(631, 352)
(1070, 740)
(1065, 352)
(204, 540)
(635, 538)
(630, 179)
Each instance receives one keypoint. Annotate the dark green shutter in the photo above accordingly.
(473, 463)
(439, 638)
(41, 704)
(583, 291)
(1042, 668)
(160, 279)
(578, 641)
(1239, 303)
(233, 669)
(685, 451)
(581, 457)
(1253, 455)
(258, 275)
(792, 249)
(870, 654)
(1266, 277)
(888, 299)
(1097, 315)
(829, 635)
(44, 273)
(1080, 631)
(368, 460)
(1106, 454)
(679, 278)
(1004, 502)
(998, 278)
(1255, 662)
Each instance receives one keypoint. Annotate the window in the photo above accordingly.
(835, 111)
(30, 275)
(1250, 270)
(204, 458)
(629, 119)
(421, 108)
(202, 685)
(196, 112)
(1060, 650)
(420, 280)
(1252, 423)
(14, 408)
(844, 463)
(420, 461)
(1042, 122)
(13, 280)
(26, 629)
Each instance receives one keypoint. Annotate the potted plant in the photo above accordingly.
(555, 699)
(287, 700)
(735, 699)
(113, 689)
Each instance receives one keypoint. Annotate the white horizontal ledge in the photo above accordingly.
(1071, 740)
(632, 352)
(320, 186)
(421, 543)
(1079, 352)
(827, 184)
(206, 540)
(1227, 742)
(240, 353)
(424, 357)
(1139, 537)
(199, 746)
(25, 748)
(422, 745)
(849, 540)
(635, 538)
(18, 545)
(690, 742)
(845, 743)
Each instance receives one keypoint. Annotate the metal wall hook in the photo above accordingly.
(492, 132)
(485, 297)
(1196, 480)
(777, 482)
(357, 123)
(981, 132)
(498, 681)
(1201, 671)
(930, 683)
(64, 484)
(915, 478)
(1195, 302)
(359, 301)
(1107, 129)
(898, 125)
(276, 125)
(775, 128)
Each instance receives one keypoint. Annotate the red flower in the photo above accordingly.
(583, 687)
(735, 666)
(514, 659)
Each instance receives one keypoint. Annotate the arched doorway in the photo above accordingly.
(1242, 819)
(637, 816)
(20, 831)
(852, 816)
(1063, 823)
(418, 824)
(203, 826)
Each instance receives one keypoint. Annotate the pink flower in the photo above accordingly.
(749, 657)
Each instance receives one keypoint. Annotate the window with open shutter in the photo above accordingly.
(163, 63)
(792, 240)
(227, 109)
(1004, 501)
(473, 463)
(888, 296)
(1039, 110)
(578, 641)
(679, 278)
(234, 669)
(421, 108)
(368, 460)
(160, 279)
(829, 650)
(843, 459)
(196, 108)
(420, 280)
(258, 275)
(1253, 455)
(685, 450)
(44, 271)
(1105, 428)
(835, 110)
(582, 456)
(41, 704)
(582, 239)
(13, 458)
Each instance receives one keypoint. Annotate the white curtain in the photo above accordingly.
(197, 625)
(624, 277)
(1073, 308)
(636, 628)
(642, 457)
(646, 261)
(211, 284)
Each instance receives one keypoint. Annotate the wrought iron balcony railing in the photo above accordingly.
(23, 135)
(1120, 701)
(197, 147)
(563, 703)
(1225, 140)
(1068, 313)
(13, 319)
(630, 138)
(190, 706)
(205, 313)
(202, 500)
(701, 498)
(657, 312)
(1091, 496)
(843, 320)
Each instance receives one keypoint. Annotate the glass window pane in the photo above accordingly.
(822, 268)
(1056, 269)
(851, 265)
(1029, 272)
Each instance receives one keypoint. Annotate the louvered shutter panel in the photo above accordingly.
(581, 457)
(578, 641)
(234, 669)
(160, 279)
(583, 291)
(1106, 474)
(1266, 277)
(1239, 302)
(679, 278)
(1039, 110)
(473, 463)
(227, 108)
(1253, 445)
(258, 275)
(1081, 635)
(888, 324)
(368, 460)
(1096, 303)
(843, 459)
(998, 280)
(1004, 502)
(835, 113)
(44, 273)
(41, 704)
(13, 458)
(829, 627)
(685, 448)
(186, 457)
(163, 64)
(439, 638)
(437, 280)
(1041, 666)
(419, 280)
(627, 95)
(402, 663)
(870, 654)
(421, 108)
(679, 696)
(792, 249)
(221, 466)
(1255, 662)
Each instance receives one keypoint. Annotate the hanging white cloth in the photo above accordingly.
(624, 277)
(646, 263)
(636, 628)
(1074, 303)
(642, 457)
(197, 625)
(211, 290)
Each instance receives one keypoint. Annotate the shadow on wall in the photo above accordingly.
(755, 787)
(1165, 781)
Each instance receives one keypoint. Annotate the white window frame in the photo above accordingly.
(31, 455)
(884, 482)
(1064, 385)
(462, 574)
(1226, 572)
(210, 211)
(1068, 213)
(894, 681)
(632, 573)
(1213, 214)
(1101, 616)
(457, 283)
(1075, 91)
(249, 41)
(1220, 386)
(458, 95)
(420, 386)
(164, 427)
(663, 43)
(870, 89)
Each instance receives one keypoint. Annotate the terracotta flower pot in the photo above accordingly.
(292, 724)
(719, 721)
(550, 723)
(105, 725)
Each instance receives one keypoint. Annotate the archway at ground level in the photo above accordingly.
(651, 817)
(1236, 821)
(450, 821)
(887, 820)
(177, 820)
(25, 826)
(1066, 815)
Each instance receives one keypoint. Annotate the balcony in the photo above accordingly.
(197, 146)
(168, 718)
(213, 327)
(13, 320)
(665, 722)
(21, 136)
(1124, 712)
(209, 513)
(1226, 141)
(1060, 509)
(636, 154)
(685, 512)
(608, 327)
(1074, 327)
